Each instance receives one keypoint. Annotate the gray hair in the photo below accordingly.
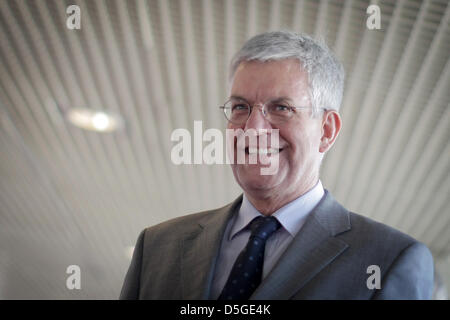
(325, 72)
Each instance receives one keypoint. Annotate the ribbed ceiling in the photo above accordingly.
(69, 196)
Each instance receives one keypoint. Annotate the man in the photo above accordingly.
(285, 237)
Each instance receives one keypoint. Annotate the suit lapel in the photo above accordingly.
(199, 248)
(313, 248)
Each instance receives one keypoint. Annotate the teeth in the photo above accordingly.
(263, 151)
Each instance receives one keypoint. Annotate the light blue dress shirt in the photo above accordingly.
(292, 216)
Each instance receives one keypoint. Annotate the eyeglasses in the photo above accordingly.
(237, 111)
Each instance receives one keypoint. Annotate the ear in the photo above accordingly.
(331, 126)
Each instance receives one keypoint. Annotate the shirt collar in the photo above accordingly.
(291, 216)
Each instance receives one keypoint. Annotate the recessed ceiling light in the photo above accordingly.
(100, 121)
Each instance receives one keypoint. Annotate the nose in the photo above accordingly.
(257, 120)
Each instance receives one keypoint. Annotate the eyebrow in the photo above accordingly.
(238, 98)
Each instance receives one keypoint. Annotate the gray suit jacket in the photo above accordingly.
(328, 259)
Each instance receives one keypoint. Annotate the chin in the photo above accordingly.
(250, 179)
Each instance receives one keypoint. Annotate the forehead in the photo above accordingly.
(258, 81)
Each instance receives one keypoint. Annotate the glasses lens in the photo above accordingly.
(278, 112)
(237, 111)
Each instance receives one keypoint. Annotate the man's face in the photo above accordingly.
(299, 137)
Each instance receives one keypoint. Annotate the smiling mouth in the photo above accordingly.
(266, 151)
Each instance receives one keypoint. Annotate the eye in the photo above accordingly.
(239, 107)
(281, 108)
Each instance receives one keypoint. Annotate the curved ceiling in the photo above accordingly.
(69, 196)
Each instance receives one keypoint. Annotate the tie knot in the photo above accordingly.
(263, 227)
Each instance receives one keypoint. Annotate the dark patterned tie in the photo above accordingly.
(246, 274)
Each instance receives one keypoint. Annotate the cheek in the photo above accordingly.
(301, 149)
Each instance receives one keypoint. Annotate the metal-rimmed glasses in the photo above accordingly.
(276, 111)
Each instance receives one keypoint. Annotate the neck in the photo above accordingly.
(268, 204)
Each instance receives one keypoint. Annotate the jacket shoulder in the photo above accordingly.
(371, 242)
(169, 230)
(405, 264)
(378, 233)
